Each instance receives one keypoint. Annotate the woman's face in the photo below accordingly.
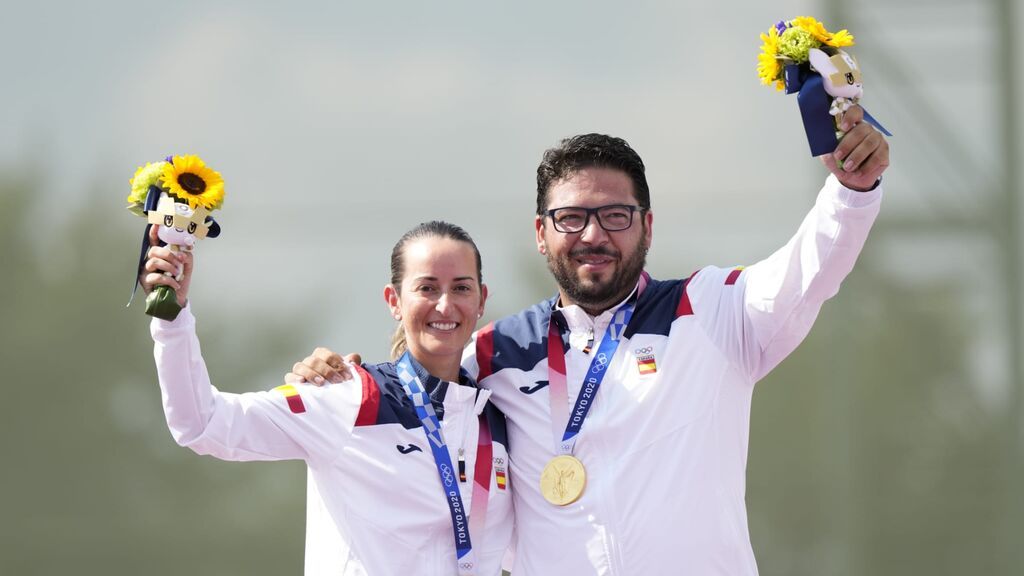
(440, 301)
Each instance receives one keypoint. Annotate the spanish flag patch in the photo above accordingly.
(647, 365)
(499, 477)
(292, 396)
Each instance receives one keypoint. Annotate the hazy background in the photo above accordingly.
(889, 443)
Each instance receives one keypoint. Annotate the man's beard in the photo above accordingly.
(594, 296)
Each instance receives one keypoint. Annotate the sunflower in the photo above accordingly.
(189, 178)
(840, 39)
(817, 29)
(144, 177)
(768, 67)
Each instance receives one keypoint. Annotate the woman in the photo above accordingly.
(409, 460)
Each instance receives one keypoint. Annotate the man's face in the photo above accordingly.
(594, 268)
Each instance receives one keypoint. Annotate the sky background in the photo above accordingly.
(337, 126)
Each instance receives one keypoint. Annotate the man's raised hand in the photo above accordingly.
(862, 155)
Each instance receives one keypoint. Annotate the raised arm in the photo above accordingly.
(291, 422)
(759, 315)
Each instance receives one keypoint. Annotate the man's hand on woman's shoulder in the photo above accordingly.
(322, 366)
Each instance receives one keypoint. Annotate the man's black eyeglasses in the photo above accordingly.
(573, 219)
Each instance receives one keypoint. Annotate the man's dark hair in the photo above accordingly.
(590, 151)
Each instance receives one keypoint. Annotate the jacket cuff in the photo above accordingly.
(852, 198)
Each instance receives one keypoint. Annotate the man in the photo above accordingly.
(628, 398)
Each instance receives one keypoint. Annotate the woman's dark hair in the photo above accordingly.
(432, 229)
(591, 151)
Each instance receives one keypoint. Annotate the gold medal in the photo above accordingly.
(563, 480)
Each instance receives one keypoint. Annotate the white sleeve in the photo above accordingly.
(288, 422)
(761, 315)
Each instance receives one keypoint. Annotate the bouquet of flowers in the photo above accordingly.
(176, 195)
(801, 55)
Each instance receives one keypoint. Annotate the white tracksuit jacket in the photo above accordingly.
(665, 443)
(380, 508)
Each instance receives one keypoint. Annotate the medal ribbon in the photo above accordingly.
(465, 557)
(558, 389)
(557, 385)
(481, 478)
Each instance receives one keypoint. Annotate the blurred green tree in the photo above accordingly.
(871, 451)
(92, 481)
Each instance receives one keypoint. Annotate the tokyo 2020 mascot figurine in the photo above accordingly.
(176, 195)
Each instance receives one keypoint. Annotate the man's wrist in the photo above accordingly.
(877, 183)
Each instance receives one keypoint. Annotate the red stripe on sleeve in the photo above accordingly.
(485, 351)
(371, 399)
(733, 276)
(684, 308)
(295, 403)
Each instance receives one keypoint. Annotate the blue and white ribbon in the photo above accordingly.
(466, 558)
